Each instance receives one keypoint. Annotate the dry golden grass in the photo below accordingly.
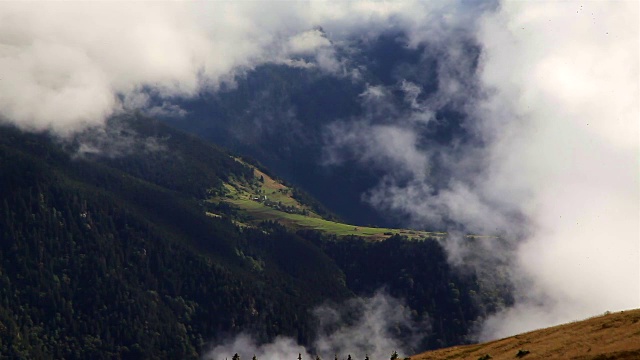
(607, 337)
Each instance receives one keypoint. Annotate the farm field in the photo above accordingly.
(270, 199)
(298, 221)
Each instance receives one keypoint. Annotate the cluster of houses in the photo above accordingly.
(278, 205)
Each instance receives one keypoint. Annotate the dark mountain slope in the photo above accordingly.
(106, 251)
(98, 262)
(276, 115)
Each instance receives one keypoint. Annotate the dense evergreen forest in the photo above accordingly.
(109, 254)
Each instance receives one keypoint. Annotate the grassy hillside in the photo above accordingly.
(266, 198)
(608, 337)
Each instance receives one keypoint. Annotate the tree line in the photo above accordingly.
(394, 356)
(114, 257)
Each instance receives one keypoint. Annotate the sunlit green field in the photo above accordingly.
(297, 221)
(250, 199)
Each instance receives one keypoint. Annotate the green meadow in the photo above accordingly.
(269, 199)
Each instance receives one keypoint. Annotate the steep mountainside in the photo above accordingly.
(102, 256)
(109, 248)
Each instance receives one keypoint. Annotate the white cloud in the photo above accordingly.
(382, 146)
(566, 81)
(308, 42)
(67, 65)
(373, 331)
(554, 165)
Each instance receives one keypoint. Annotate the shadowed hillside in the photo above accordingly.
(110, 247)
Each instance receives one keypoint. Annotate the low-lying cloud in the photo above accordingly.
(550, 163)
(565, 77)
(375, 326)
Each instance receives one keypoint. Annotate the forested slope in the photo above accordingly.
(109, 254)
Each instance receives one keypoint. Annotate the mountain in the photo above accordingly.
(610, 336)
(103, 256)
(111, 246)
(276, 115)
(292, 119)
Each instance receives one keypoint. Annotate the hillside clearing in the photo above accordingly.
(268, 199)
(298, 222)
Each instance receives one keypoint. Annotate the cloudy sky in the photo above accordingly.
(555, 101)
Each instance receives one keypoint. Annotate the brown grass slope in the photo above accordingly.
(607, 337)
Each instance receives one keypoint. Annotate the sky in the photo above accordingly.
(554, 100)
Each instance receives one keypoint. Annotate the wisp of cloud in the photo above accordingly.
(358, 327)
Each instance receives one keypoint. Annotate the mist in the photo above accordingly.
(565, 77)
(549, 160)
(549, 166)
(375, 326)
(68, 66)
